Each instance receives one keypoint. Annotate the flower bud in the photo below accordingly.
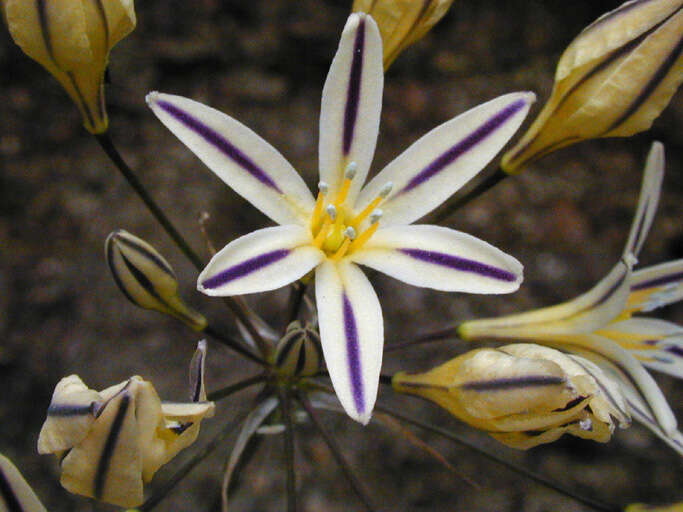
(146, 278)
(15, 493)
(298, 353)
(523, 395)
(613, 80)
(402, 22)
(72, 40)
(112, 442)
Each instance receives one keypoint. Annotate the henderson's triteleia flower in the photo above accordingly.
(146, 278)
(15, 493)
(72, 40)
(402, 22)
(111, 442)
(345, 226)
(598, 326)
(613, 80)
(523, 395)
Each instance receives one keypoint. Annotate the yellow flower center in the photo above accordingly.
(335, 226)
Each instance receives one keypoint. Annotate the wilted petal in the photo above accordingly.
(15, 493)
(613, 80)
(656, 286)
(351, 105)
(352, 335)
(197, 387)
(242, 159)
(440, 258)
(263, 260)
(657, 344)
(446, 158)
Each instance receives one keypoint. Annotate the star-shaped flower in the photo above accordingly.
(345, 226)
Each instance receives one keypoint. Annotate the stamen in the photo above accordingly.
(322, 234)
(349, 234)
(351, 169)
(375, 216)
(363, 237)
(383, 193)
(323, 188)
(331, 211)
(349, 174)
(386, 189)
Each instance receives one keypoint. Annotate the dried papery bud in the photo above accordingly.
(613, 80)
(402, 22)
(15, 493)
(146, 278)
(72, 40)
(523, 395)
(298, 352)
(81, 424)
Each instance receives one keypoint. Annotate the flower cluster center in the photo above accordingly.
(335, 226)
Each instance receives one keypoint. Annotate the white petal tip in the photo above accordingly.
(152, 97)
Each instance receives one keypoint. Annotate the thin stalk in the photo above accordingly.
(108, 146)
(233, 344)
(234, 388)
(242, 312)
(168, 486)
(339, 457)
(594, 504)
(285, 405)
(442, 334)
(236, 305)
(449, 207)
(296, 298)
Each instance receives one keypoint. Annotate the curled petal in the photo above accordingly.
(352, 335)
(440, 258)
(263, 260)
(657, 286)
(242, 159)
(15, 493)
(443, 160)
(351, 105)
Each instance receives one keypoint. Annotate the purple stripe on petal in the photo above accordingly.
(660, 281)
(245, 268)
(219, 142)
(462, 147)
(460, 264)
(505, 384)
(677, 351)
(353, 91)
(353, 355)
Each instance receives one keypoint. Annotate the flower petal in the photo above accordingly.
(351, 105)
(262, 260)
(446, 158)
(15, 493)
(657, 344)
(242, 159)
(657, 286)
(352, 335)
(648, 199)
(440, 258)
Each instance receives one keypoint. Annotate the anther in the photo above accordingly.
(375, 216)
(331, 211)
(350, 233)
(386, 189)
(586, 424)
(351, 169)
(323, 187)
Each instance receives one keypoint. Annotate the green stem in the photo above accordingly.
(233, 344)
(336, 452)
(289, 450)
(168, 486)
(296, 297)
(597, 505)
(450, 206)
(234, 388)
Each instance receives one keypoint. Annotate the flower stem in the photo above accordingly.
(596, 505)
(285, 405)
(233, 344)
(336, 452)
(234, 388)
(441, 334)
(168, 486)
(296, 297)
(457, 202)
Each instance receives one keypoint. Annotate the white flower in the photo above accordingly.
(345, 226)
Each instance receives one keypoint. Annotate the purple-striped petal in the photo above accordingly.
(352, 335)
(242, 159)
(446, 158)
(263, 260)
(351, 105)
(656, 286)
(440, 258)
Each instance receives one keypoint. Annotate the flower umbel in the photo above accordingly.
(523, 395)
(597, 324)
(72, 40)
(346, 225)
(111, 442)
(613, 80)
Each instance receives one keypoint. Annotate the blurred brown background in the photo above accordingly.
(264, 63)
